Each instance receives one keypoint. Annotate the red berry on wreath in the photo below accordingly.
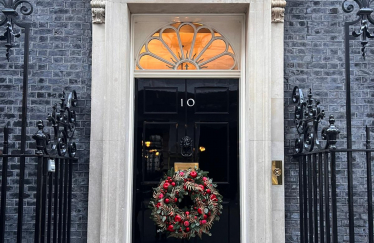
(169, 177)
(173, 183)
(166, 185)
(208, 191)
(167, 200)
(193, 174)
(177, 218)
(209, 213)
(170, 180)
(186, 223)
(187, 229)
(204, 178)
(194, 208)
(187, 213)
(175, 199)
(171, 228)
(202, 187)
(200, 211)
(161, 196)
(205, 216)
(203, 221)
(158, 205)
(195, 217)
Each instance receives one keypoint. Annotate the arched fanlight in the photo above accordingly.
(186, 46)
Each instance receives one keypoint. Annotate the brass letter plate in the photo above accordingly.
(276, 175)
(185, 166)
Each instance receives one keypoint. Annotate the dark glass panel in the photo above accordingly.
(211, 99)
(160, 100)
(159, 149)
(212, 146)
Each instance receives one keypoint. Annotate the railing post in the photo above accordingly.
(369, 186)
(69, 197)
(301, 200)
(60, 200)
(66, 163)
(327, 198)
(55, 204)
(23, 132)
(350, 198)
(320, 188)
(44, 198)
(314, 161)
(50, 193)
(305, 190)
(4, 181)
(38, 216)
(333, 198)
(41, 141)
(310, 197)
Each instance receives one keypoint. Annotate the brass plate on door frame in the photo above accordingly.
(276, 172)
(185, 166)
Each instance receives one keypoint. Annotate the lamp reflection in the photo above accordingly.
(152, 154)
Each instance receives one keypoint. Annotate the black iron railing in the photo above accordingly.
(318, 182)
(54, 157)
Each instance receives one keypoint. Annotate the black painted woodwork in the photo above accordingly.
(212, 123)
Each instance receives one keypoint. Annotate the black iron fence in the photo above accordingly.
(53, 194)
(318, 195)
(319, 180)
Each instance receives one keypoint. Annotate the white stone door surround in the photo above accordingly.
(112, 121)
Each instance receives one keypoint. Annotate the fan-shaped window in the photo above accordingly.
(186, 46)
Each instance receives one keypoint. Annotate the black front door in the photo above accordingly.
(206, 110)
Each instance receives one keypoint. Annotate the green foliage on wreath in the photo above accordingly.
(186, 222)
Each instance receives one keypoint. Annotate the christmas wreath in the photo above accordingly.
(185, 221)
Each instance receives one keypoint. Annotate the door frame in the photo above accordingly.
(260, 123)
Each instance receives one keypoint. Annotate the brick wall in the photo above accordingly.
(60, 59)
(314, 58)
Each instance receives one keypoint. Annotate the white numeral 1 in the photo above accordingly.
(181, 102)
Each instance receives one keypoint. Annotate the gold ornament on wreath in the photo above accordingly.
(191, 220)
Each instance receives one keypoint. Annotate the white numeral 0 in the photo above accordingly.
(189, 102)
